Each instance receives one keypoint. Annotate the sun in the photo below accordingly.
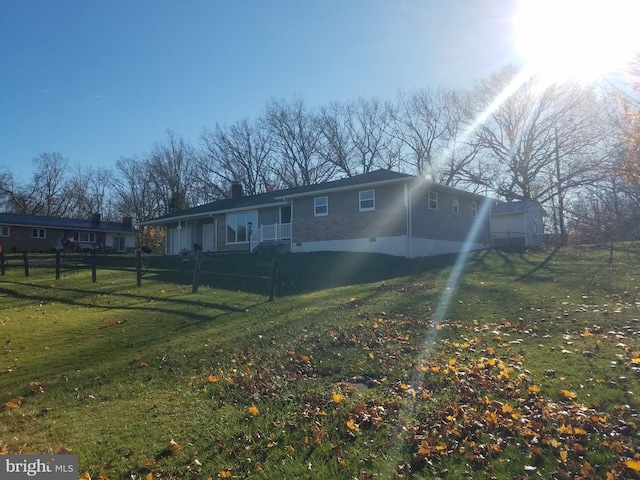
(577, 39)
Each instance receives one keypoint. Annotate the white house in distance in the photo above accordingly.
(378, 212)
(517, 224)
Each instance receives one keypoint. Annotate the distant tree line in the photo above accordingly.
(569, 146)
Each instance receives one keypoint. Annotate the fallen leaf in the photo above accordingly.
(633, 465)
(253, 410)
(351, 425)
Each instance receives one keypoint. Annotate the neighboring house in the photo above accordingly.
(32, 233)
(381, 211)
(517, 224)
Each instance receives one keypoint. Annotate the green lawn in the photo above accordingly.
(505, 366)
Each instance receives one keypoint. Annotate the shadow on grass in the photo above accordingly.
(302, 273)
(538, 266)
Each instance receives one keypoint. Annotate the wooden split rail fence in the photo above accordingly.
(72, 261)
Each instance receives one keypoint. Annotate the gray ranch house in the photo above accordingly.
(382, 211)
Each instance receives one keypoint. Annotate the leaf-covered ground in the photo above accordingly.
(532, 377)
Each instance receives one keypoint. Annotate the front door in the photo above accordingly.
(208, 238)
(118, 244)
(285, 214)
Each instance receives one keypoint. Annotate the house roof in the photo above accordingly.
(280, 197)
(37, 221)
(515, 207)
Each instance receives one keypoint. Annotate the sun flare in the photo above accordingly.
(577, 39)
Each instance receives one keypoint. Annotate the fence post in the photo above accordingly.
(274, 275)
(93, 266)
(25, 260)
(57, 264)
(196, 270)
(1, 262)
(139, 267)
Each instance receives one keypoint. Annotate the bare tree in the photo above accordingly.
(368, 123)
(337, 145)
(239, 153)
(539, 142)
(425, 122)
(134, 191)
(171, 169)
(296, 136)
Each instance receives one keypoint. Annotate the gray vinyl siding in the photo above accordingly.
(346, 221)
(443, 224)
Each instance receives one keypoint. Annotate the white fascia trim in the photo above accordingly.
(211, 213)
(322, 192)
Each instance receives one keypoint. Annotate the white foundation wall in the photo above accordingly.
(388, 245)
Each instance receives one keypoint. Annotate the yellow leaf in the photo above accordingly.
(534, 390)
(567, 395)
(337, 397)
(633, 465)
(175, 446)
(15, 402)
(213, 379)
(289, 449)
(149, 476)
(253, 410)
(224, 474)
(563, 455)
(304, 358)
(351, 425)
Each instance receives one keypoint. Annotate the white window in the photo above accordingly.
(4, 230)
(433, 200)
(474, 209)
(320, 206)
(84, 237)
(367, 200)
(38, 233)
(456, 205)
(240, 226)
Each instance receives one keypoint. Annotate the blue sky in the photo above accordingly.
(99, 79)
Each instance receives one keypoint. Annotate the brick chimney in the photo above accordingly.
(127, 221)
(236, 190)
(95, 218)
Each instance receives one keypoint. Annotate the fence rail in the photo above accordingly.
(58, 260)
(139, 263)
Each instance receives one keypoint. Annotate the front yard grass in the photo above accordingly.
(358, 369)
